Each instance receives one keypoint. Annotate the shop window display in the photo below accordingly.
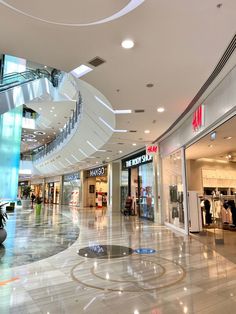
(173, 189)
(146, 198)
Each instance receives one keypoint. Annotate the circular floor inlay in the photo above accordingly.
(136, 273)
(105, 251)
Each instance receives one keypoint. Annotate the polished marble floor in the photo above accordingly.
(183, 275)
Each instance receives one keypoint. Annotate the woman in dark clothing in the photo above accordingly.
(207, 206)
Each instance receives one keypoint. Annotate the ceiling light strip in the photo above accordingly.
(82, 152)
(110, 127)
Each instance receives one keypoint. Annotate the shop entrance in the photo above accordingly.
(211, 181)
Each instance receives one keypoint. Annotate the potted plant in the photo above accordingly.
(3, 218)
(38, 206)
(26, 197)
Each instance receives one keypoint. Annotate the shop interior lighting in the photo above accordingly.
(81, 70)
(111, 128)
(121, 111)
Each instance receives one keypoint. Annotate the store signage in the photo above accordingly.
(136, 160)
(97, 172)
(198, 118)
(151, 150)
(71, 177)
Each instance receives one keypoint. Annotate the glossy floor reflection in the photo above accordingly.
(33, 237)
(182, 276)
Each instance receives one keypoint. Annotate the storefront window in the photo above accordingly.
(146, 197)
(173, 189)
(71, 189)
(124, 187)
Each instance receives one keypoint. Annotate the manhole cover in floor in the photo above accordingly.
(105, 251)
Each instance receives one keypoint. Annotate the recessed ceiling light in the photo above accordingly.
(227, 137)
(54, 132)
(147, 131)
(51, 110)
(40, 108)
(127, 44)
(134, 144)
(120, 152)
(45, 67)
(53, 107)
(160, 109)
(108, 157)
(210, 145)
(48, 136)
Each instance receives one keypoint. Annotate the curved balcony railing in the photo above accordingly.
(63, 135)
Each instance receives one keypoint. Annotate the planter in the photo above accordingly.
(26, 204)
(3, 235)
(38, 208)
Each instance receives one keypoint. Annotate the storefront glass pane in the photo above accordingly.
(146, 198)
(173, 189)
(124, 188)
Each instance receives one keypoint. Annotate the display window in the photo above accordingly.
(96, 187)
(211, 176)
(137, 186)
(173, 189)
(71, 189)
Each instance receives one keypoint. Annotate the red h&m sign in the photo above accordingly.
(198, 118)
(151, 149)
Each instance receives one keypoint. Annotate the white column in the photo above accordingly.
(114, 172)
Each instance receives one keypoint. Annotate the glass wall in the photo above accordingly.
(71, 189)
(173, 189)
(124, 193)
(146, 197)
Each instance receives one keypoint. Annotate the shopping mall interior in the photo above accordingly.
(117, 157)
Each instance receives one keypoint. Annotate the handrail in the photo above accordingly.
(66, 131)
(14, 79)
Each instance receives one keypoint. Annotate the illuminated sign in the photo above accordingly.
(151, 149)
(97, 172)
(136, 160)
(72, 177)
(198, 118)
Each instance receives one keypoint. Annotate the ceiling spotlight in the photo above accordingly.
(53, 107)
(134, 144)
(120, 152)
(127, 44)
(227, 137)
(108, 157)
(147, 131)
(40, 108)
(55, 114)
(160, 109)
(210, 145)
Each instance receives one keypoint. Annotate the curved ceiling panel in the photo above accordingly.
(73, 12)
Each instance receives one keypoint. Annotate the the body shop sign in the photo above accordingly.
(97, 172)
(136, 160)
(198, 118)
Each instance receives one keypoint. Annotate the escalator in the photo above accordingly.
(17, 89)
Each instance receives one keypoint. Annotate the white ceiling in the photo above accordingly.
(177, 45)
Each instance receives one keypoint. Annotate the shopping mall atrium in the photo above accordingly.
(118, 157)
